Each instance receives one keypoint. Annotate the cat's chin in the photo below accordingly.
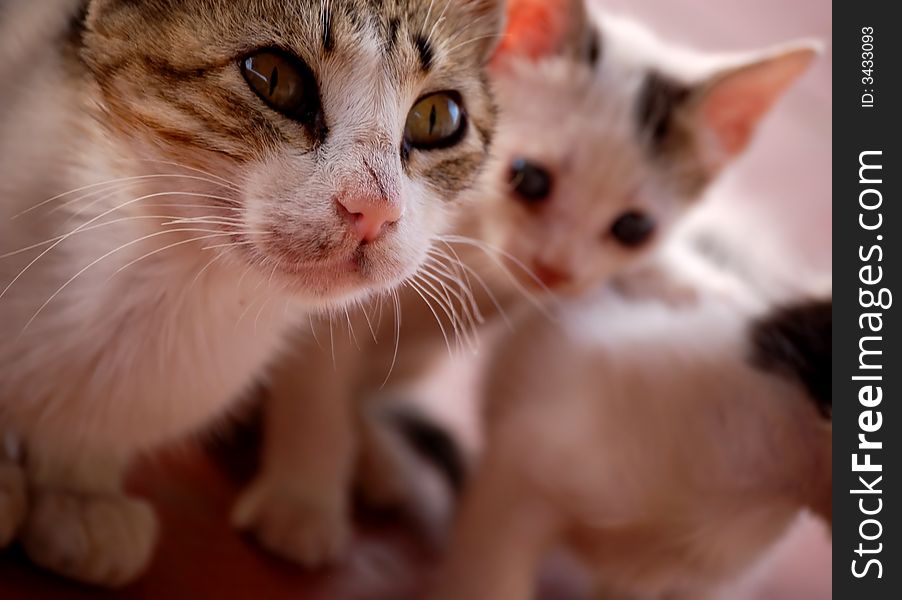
(339, 283)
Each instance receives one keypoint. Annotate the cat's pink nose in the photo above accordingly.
(550, 276)
(370, 214)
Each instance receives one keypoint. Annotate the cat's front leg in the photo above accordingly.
(298, 507)
(80, 522)
(12, 500)
(504, 529)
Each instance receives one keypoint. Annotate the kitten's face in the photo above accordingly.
(578, 194)
(603, 143)
(341, 131)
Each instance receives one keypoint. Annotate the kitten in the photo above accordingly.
(606, 138)
(180, 182)
(668, 448)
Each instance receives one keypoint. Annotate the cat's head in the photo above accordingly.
(329, 138)
(608, 135)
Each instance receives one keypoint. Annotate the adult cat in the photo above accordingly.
(178, 180)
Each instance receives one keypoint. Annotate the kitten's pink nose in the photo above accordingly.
(551, 276)
(369, 214)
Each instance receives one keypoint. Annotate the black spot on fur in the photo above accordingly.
(391, 38)
(425, 52)
(328, 37)
(594, 49)
(434, 445)
(658, 100)
(797, 342)
(75, 31)
(237, 449)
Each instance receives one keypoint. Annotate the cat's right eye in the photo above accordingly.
(283, 82)
(530, 181)
(633, 229)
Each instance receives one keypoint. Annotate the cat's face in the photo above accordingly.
(334, 135)
(605, 139)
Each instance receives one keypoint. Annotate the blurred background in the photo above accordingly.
(785, 178)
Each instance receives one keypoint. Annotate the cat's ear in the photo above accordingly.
(487, 25)
(728, 107)
(539, 29)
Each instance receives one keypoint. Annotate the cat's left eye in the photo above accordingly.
(633, 229)
(435, 121)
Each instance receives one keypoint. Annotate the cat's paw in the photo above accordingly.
(304, 526)
(105, 540)
(12, 501)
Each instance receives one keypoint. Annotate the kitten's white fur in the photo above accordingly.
(563, 113)
(122, 332)
(642, 436)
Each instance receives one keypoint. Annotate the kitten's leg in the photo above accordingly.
(503, 531)
(381, 470)
(80, 523)
(387, 471)
(298, 507)
(12, 500)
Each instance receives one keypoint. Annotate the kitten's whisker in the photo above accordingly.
(440, 20)
(442, 277)
(416, 288)
(213, 233)
(369, 323)
(428, 14)
(492, 298)
(463, 323)
(351, 333)
(460, 277)
(260, 312)
(87, 224)
(245, 311)
(455, 259)
(204, 270)
(474, 40)
(332, 343)
(91, 264)
(230, 245)
(99, 196)
(225, 182)
(379, 316)
(445, 305)
(394, 359)
(85, 230)
(101, 184)
(491, 252)
(313, 331)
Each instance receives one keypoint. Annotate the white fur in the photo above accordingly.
(640, 435)
(128, 320)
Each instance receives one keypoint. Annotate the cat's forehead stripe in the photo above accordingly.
(424, 51)
(658, 99)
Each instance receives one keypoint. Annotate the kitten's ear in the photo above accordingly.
(539, 29)
(729, 106)
(488, 24)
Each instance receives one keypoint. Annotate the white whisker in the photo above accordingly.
(91, 264)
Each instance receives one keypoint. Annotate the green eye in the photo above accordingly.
(435, 121)
(283, 82)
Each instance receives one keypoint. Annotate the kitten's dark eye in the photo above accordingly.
(633, 229)
(530, 181)
(435, 121)
(285, 83)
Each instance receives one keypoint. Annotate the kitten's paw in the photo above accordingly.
(103, 540)
(12, 501)
(303, 526)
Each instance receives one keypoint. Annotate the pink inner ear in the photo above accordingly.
(731, 112)
(535, 29)
(735, 105)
